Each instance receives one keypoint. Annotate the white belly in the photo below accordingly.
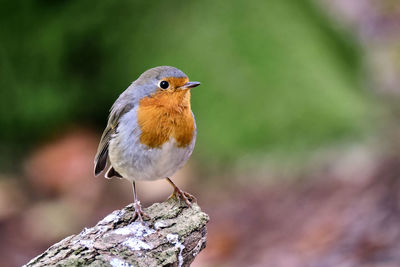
(151, 164)
(136, 161)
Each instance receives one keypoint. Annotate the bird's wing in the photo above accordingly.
(117, 111)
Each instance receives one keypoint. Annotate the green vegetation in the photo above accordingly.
(275, 75)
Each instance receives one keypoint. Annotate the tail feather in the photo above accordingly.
(112, 173)
(100, 161)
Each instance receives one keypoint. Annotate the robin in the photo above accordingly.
(151, 131)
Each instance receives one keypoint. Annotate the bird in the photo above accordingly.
(150, 133)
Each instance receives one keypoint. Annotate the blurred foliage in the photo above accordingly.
(275, 75)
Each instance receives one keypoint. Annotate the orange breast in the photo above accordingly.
(165, 115)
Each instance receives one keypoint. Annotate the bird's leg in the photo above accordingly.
(139, 213)
(181, 194)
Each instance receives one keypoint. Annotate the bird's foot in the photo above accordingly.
(188, 198)
(139, 213)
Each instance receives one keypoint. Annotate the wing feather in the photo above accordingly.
(117, 111)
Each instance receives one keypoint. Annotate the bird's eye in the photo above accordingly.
(164, 84)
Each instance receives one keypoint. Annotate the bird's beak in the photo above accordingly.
(189, 85)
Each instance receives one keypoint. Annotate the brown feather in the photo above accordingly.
(166, 114)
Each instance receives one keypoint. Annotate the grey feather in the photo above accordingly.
(117, 111)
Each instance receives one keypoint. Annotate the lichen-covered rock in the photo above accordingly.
(174, 237)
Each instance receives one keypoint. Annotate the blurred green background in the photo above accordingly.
(311, 82)
(276, 76)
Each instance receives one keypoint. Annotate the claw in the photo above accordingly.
(179, 194)
(188, 198)
(139, 213)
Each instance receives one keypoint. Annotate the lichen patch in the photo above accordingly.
(136, 244)
(135, 228)
(115, 262)
(112, 217)
(87, 243)
(174, 239)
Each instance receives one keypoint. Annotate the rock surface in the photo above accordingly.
(174, 237)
